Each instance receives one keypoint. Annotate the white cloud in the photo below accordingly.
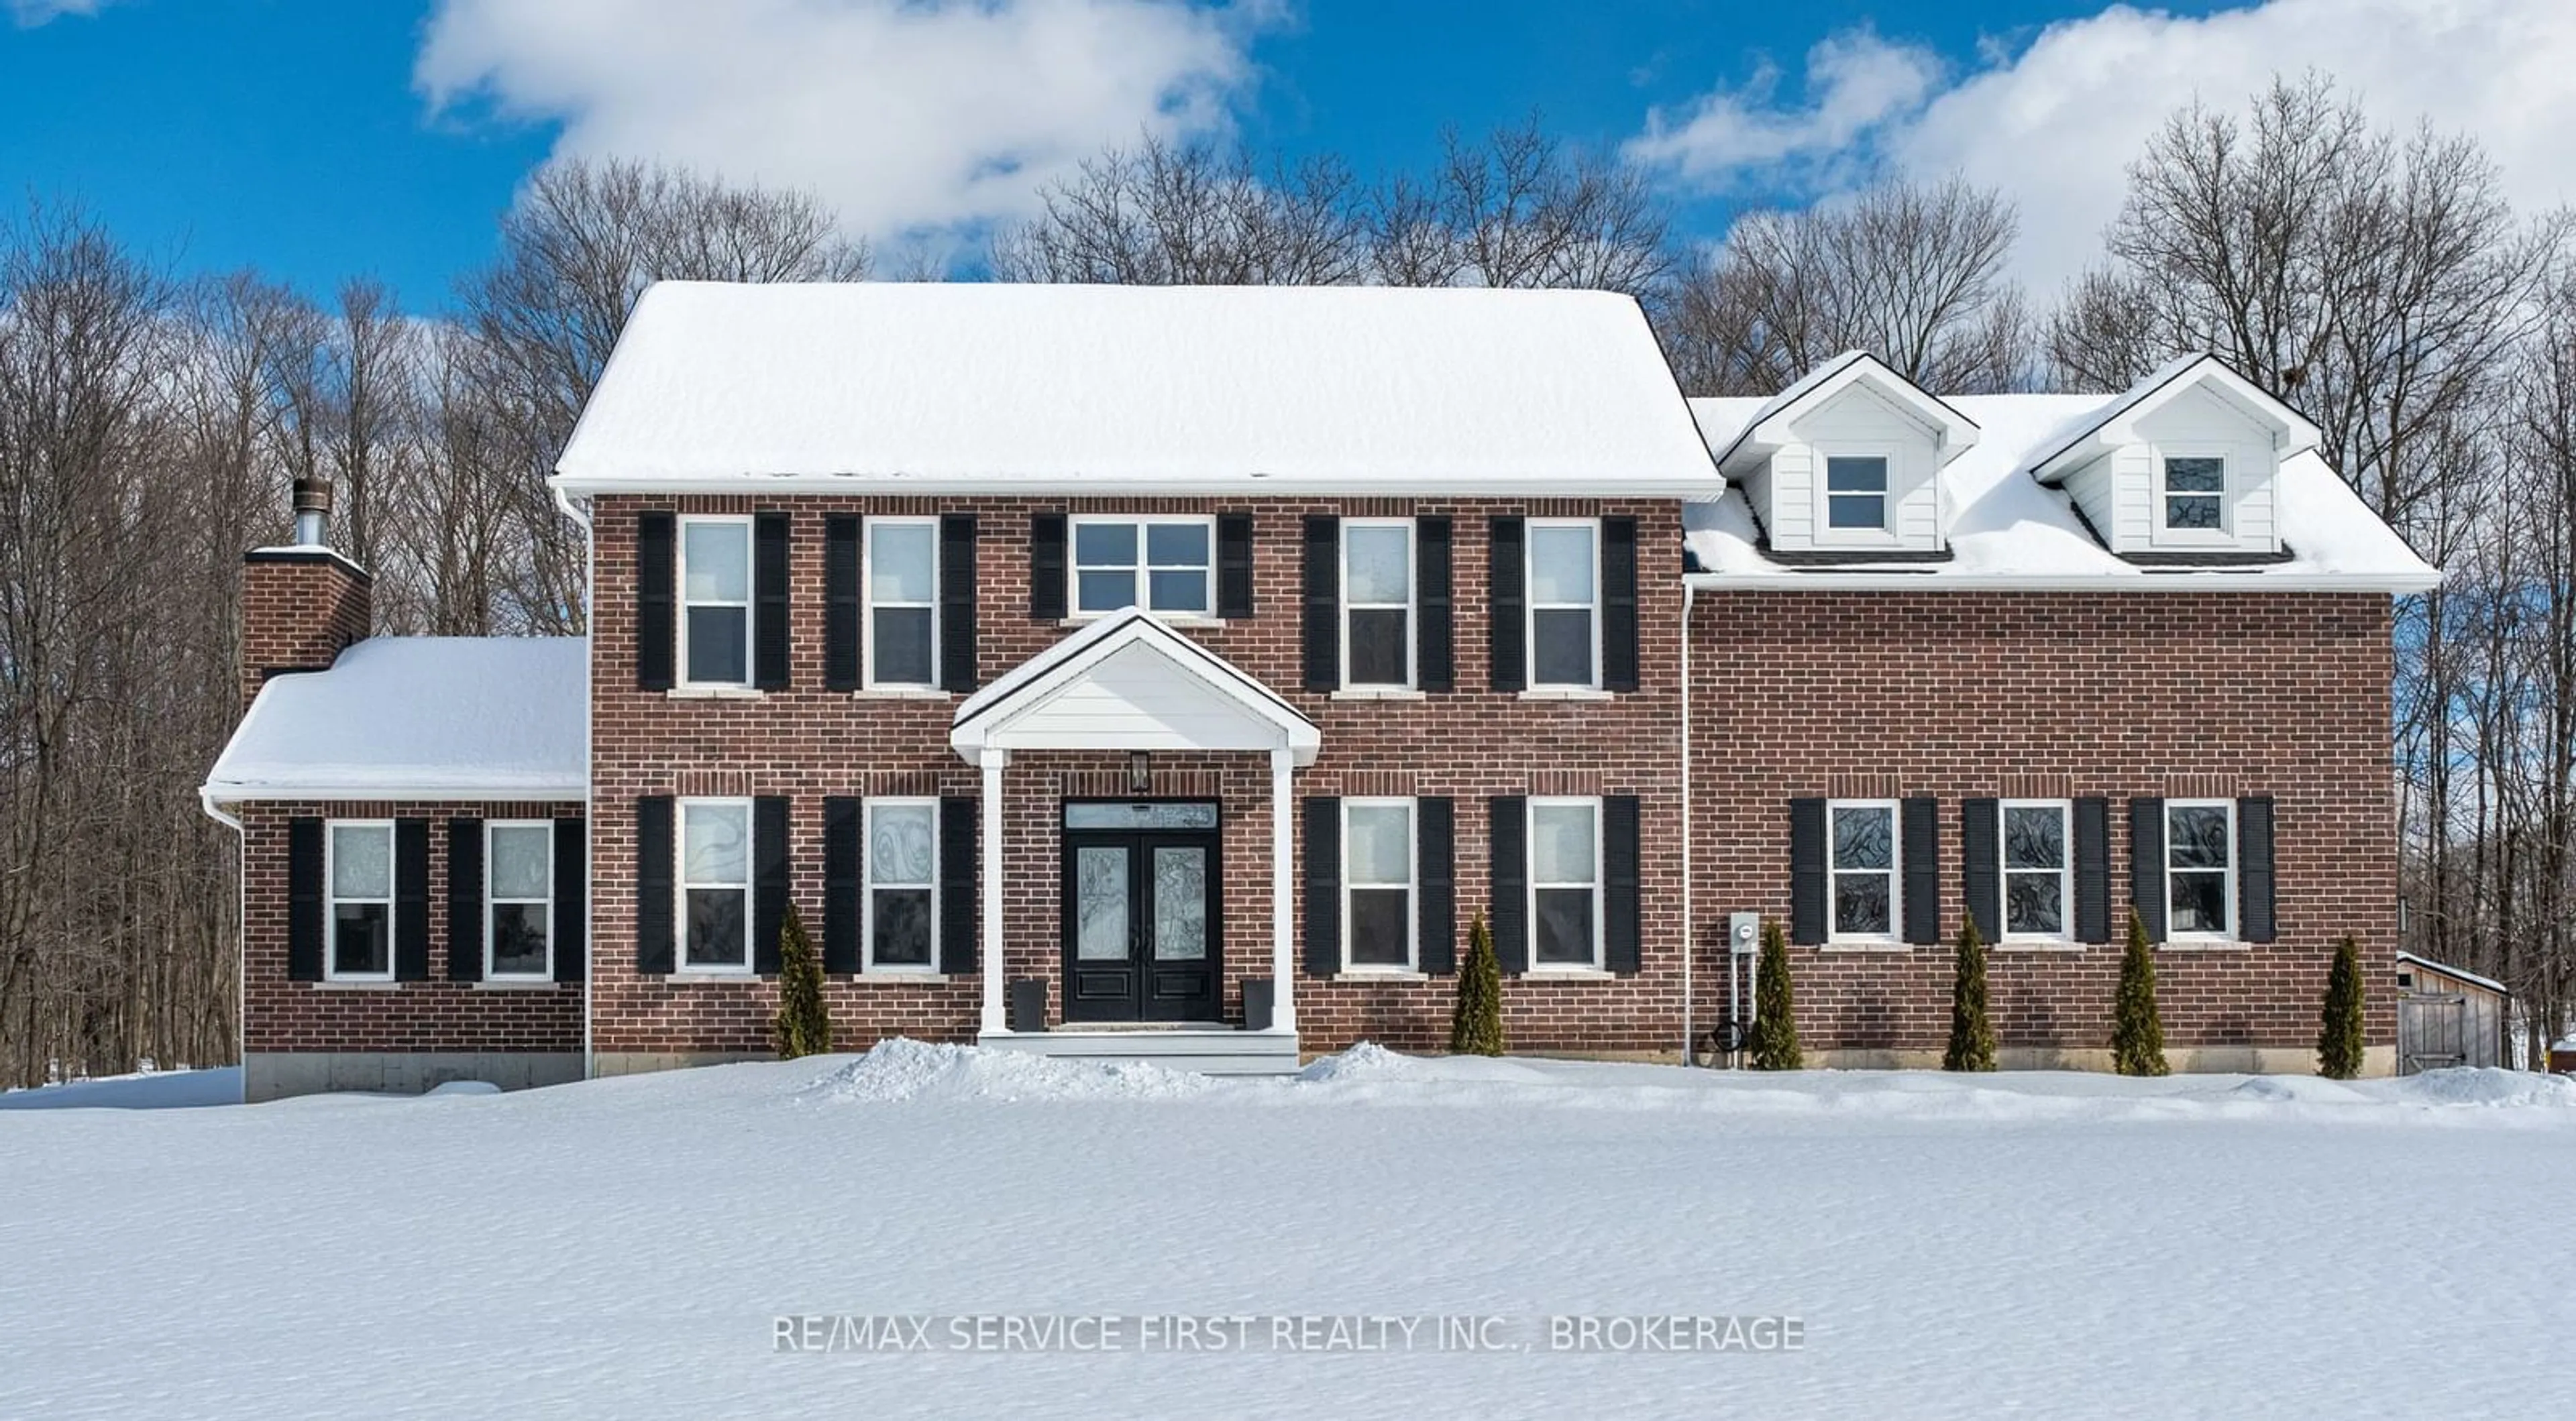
(1856, 84)
(908, 116)
(27, 14)
(2054, 123)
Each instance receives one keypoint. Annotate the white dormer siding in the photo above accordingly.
(1847, 462)
(2125, 495)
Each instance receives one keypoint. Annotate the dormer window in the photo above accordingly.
(1856, 492)
(2193, 493)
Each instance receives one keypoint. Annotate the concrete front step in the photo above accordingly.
(1208, 1050)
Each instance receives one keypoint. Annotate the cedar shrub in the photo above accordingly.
(2137, 1032)
(1476, 1021)
(1972, 1036)
(1773, 1042)
(803, 1026)
(2339, 1039)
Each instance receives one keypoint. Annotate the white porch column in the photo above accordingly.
(1283, 959)
(993, 760)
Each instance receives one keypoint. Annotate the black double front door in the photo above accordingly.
(1142, 939)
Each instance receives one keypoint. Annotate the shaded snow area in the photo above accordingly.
(2055, 1244)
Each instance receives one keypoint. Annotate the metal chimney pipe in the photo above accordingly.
(312, 511)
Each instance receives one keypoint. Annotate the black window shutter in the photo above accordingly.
(411, 900)
(1435, 851)
(842, 618)
(2093, 870)
(843, 841)
(655, 634)
(1505, 605)
(1321, 627)
(655, 862)
(957, 577)
(1323, 877)
(572, 899)
(1623, 910)
(769, 601)
(1234, 565)
(1981, 865)
(464, 900)
(1619, 604)
(303, 899)
(1434, 635)
(768, 881)
(1922, 818)
(2147, 864)
(2254, 869)
(1507, 834)
(1807, 871)
(958, 900)
(1046, 567)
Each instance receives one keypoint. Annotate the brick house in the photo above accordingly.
(1176, 672)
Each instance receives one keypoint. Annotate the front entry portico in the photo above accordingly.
(1142, 927)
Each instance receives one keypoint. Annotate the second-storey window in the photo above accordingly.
(903, 870)
(1565, 882)
(518, 893)
(2194, 493)
(1159, 564)
(1564, 593)
(362, 901)
(2200, 866)
(1855, 491)
(1377, 602)
(1377, 882)
(903, 601)
(715, 597)
(715, 883)
(2036, 868)
(1864, 868)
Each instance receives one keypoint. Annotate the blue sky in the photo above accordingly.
(305, 136)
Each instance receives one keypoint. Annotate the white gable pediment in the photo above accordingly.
(1130, 683)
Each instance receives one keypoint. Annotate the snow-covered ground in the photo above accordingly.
(2054, 1244)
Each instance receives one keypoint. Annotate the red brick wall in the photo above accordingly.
(299, 611)
(807, 742)
(2053, 695)
(433, 1015)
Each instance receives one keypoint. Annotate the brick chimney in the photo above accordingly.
(301, 604)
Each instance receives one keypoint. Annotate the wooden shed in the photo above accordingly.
(2448, 1017)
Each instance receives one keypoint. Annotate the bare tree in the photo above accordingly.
(1158, 215)
(1521, 209)
(1914, 273)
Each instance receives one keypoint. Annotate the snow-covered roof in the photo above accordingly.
(2083, 439)
(419, 718)
(2008, 530)
(2472, 978)
(1766, 428)
(1054, 389)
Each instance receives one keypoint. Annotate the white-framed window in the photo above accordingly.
(519, 899)
(902, 928)
(903, 602)
(1564, 601)
(1565, 883)
(1160, 564)
(2038, 869)
(358, 864)
(1856, 493)
(1862, 904)
(2191, 493)
(715, 885)
(1378, 877)
(1377, 602)
(2200, 868)
(715, 601)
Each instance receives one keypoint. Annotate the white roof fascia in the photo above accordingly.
(1608, 484)
(1829, 579)
(989, 713)
(2292, 432)
(1770, 428)
(2472, 978)
(522, 793)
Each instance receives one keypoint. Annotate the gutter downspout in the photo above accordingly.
(241, 930)
(1688, 920)
(579, 512)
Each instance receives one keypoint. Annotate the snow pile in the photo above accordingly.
(2299, 1090)
(1368, 1061)
(907, 1070)
(2485, 1086)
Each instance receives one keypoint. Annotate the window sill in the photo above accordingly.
(1569, 974)
(1371, 975)
(715, 693)
(387, 986)
(689, 979)
(1866, 946)
(890, 974)
(1567, 693)
(2040, 945)
(2204, 944)
(1169, 619)
(901, 693)
(1378, 693)
(518, 984)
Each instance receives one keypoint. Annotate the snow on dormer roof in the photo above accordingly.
(1059, 389)
(1769, 426)
(2114, 423)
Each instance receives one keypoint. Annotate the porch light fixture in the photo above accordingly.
(1140, 771)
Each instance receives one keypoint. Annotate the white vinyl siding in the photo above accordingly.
(1858, 423)
(2120, 492)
